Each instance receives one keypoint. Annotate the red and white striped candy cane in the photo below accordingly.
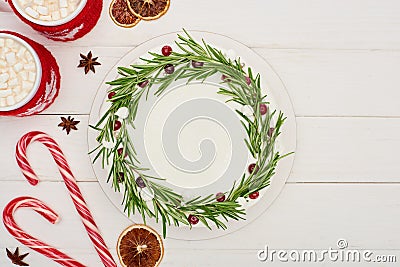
(30, 241)
(71, 184)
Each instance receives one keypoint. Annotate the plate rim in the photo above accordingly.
(198, 233)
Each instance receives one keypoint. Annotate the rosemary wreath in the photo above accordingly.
(194, 62)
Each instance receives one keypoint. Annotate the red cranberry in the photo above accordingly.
(166, 50)
(254, 195)
(252, 167)
(120, 151)
(263, 109)
(140, 182)
(143, 84)
(117, 125)
(169, 68)
(111, 95)
(220, 197)
(193, 219)
(271, 131)
(197, 64)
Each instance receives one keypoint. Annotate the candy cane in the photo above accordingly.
(71, 184)
(30, 241)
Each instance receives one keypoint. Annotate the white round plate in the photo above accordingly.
(191, 137)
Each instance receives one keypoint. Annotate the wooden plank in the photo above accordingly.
(320, 82)
(315, 216)
(77, 89)
(347, 150)
(4, 7)
(328, 149)
(207, 258)
(312, 216)
(339, 61)
(73, 145)
(361, 24)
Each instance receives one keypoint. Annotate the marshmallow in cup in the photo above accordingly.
(49, 12)
(20, 72)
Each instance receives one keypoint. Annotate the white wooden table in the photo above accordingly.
(340, 62)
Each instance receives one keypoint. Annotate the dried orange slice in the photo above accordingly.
(122, 15)
(148, 9)
(140, 246)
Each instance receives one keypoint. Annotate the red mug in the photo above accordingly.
(29, 76)
(64, 23)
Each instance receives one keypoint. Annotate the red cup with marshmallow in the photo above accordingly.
(29, 76)
(60, 20)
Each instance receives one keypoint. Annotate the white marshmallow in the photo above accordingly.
(28, 55)
(42, 10)
(2, 42)
(72, 7)
(23, 75)
(21, 52)
(13, 82)
(9, 42)
(18, 67)
(247, 110)
(55, 15)
(32, 76)
(52, 7)
(45, 18)
(4, 77)
(108, 144)
(3, 102)
(12, 73)
(31, 12)
(63, 3)
(49, 10)
(17, 90)
(30, 66)
(10, 58)
(27, 85)
(17, 72)
(24, 94)
(122, 113)
(18, 98)
(5, 93)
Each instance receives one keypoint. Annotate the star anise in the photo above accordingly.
(68, 124)
(88, 62)
(16, 258)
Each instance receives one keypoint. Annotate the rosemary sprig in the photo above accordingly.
(243, 87)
